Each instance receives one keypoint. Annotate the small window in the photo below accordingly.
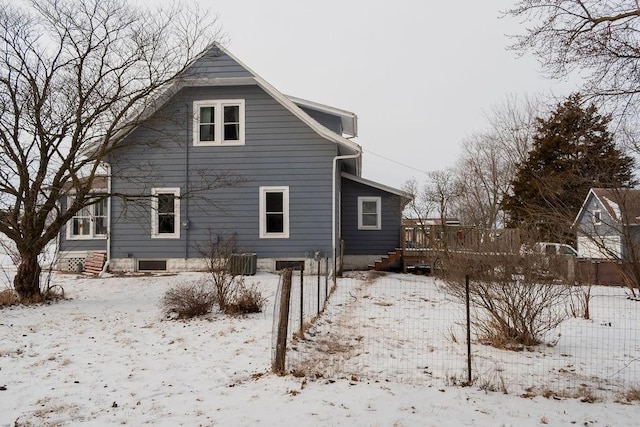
(369, 213)
(218, 122)
(165, 213)
(294, 265)
(597, 217)
(274, 212)
(90, 222)
(152, 265)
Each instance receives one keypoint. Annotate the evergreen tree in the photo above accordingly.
(572, 152)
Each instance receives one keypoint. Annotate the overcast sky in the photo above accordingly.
(420, 74)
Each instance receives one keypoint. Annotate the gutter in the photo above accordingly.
(333, 207)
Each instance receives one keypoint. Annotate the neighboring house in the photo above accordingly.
(608, 224)
(300, 196)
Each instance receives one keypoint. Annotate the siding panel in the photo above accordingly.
(369, 242)
(279, 152)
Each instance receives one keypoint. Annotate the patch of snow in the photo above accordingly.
(107, 356)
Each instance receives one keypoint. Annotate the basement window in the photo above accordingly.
(152, 265)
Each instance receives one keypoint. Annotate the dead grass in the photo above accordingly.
(629, 396)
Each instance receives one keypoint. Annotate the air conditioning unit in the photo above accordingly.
(243, 264)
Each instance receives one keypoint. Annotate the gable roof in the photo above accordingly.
(621, 204)
(293, 108)
(238, 74)
(406, 197)
(349, 120)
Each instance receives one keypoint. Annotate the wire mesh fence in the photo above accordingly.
(408, 328)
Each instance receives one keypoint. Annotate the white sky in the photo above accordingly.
(421, 75)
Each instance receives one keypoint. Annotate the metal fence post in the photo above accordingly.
(466, 284)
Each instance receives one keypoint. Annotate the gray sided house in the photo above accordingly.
(227, 154)
(608, 224)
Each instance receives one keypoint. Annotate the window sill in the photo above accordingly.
(218, 144)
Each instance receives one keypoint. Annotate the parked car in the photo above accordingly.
(549, 248)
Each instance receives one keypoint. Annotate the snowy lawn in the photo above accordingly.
(406, 328)
(107, 356)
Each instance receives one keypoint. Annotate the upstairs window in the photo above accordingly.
(369, 217)
(597, 217)
(218, 122)
(165, 213)
(90, 222)
(274, 212)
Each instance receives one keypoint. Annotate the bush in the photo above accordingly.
(188, 300)
(217, 252)
(246, 300)
(9, 297)
(515, 304)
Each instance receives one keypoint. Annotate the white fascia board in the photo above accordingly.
(180, 83)
(584, 205)
(349, 119)
(377, 185)
(295, 110)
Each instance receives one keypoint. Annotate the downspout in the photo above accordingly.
(108, 260)
(333, 207)
(185, 221)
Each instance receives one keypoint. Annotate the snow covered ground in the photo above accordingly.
(107, 356)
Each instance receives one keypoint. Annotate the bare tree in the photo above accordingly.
(489, 158)
(597, 38)
(442, 191)
(75, 78)
(420, 206)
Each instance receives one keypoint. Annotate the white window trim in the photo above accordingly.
(263, 214)
(154, 212)
(597, 217)
(91, 235)
(219, 124)
(378, 201)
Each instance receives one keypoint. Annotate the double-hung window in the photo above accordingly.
(369, 217)
(274, 212)
(597, 217)
(218, 122)
(90, 222)
(165, 213)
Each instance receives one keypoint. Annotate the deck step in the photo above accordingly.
(386, 260)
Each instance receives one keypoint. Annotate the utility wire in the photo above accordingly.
(396, 162)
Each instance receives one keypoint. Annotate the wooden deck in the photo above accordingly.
(423, 246)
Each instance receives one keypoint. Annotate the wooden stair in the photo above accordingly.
(94, 262)
(391, 259)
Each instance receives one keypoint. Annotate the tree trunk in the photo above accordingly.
(27, 279)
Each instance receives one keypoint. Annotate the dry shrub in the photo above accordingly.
(231, 293)
(515, 299)
(9, 297)
(217, 252)
(630, 395)
(188, 300)
(246, 300)
(55, 292)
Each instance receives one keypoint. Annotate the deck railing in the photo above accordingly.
(459, 238)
